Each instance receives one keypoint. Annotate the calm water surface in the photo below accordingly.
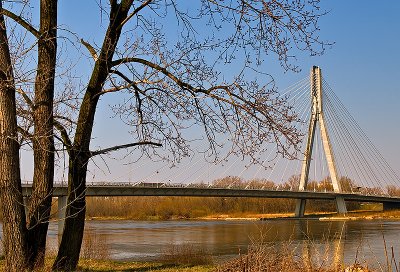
(146, 240)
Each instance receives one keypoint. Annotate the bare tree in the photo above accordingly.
(14, 226)
(39, 111)
(167, 85)
(43, 140)
(168, 89)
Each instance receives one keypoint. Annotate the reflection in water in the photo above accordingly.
(146, 240)
(328, 249)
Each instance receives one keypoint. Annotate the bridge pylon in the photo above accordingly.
(317, 115)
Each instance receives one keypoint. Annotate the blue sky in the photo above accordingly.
(362, 67)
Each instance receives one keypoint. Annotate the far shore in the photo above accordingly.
(326, 216)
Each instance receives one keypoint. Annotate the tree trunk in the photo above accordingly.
(14, 222)
(43, 141)
(70, 246)
(69, 250)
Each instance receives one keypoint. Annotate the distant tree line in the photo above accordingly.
(143, 208)
(165, 208)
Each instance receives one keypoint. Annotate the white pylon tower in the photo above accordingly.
(317, 115)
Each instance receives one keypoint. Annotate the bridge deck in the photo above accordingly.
(132, 190)
(118, 190)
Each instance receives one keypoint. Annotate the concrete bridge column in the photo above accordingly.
(340, 205)
(26, 205)
(300, 208)
(62, 205)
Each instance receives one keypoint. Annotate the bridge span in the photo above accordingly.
(115, 190)
(180, 190)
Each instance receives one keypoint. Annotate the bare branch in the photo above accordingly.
(64, 134)
(26, 98)
(90, 48)
(163, 70)
(25, 134)
(122, 75)
(136, 11)
(186, 86)
(65, 118)
(21, 21)
(118, 147)
(115, 89)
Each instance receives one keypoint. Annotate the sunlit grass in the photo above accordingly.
(118, 266)
(104, 265)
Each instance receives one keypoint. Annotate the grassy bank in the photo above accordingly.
(105, 265)
(258, 258)
(109, 265)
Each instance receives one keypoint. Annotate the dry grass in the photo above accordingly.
(273, 259)
(102, 265)
(185, 254)
(264, 258)
(94, 246)
(304, 256)
(114, 266)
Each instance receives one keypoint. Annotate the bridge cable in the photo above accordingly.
(363, 151)
(362, 139)
(375, 152)
(348, 139)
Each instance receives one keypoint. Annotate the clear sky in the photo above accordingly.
(362, 67)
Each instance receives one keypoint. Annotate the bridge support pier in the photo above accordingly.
(391, 206)
(62, 206)
(26, 205)
(340, 205)
(300, 208)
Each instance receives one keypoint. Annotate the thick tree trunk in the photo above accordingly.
(70, 246)
(14, 224)
(43, 141)
(68, 253)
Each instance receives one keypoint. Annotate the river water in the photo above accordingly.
(362, 240)
(147, 240)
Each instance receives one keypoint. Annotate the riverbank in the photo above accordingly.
(365, 215)
(116, 266)
(107, 265)
(255, 260)
(352, 215)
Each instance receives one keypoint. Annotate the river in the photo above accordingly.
(146, 240)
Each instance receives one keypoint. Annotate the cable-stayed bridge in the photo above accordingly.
(194, 190)
(335, 151)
